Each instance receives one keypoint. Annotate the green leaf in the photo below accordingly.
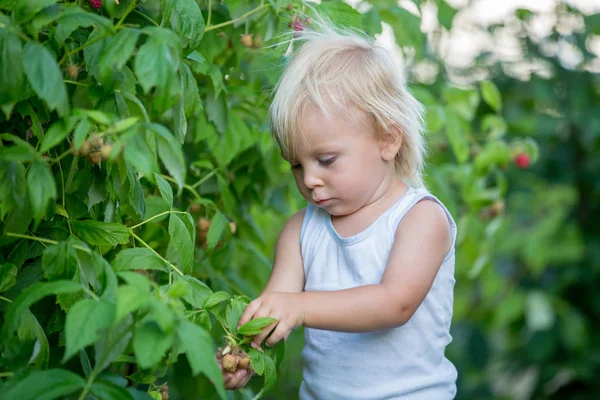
(216, 110)
(45, 385)
(101, 233)
(406, 26)
(42, 188)
(136, 193)
(56, 134)
(456, 130)
(180, 125)
(83, 322)
(12, 186)
(11, 67)
(257, 360)
(156, 65)
(186, 19)
(150, 344)
(255, 326)
(138, 258)
(198, 292)
(31, 295)
(8, 276)
(75, 17)
(45, 77)
(215, 299)
(170, 153)
(270, 374)
(191, 96)
(138, 153)
(118, 51)
(165, 189)
(216, 229)
(83, 129)
(30, 329)
(445, 14)
(341, 13)
(491, 94)
(59, 261)
(130, 298)
(112, 343)
(198, 347)
(182, 242)
(108, 390)
(235, 309)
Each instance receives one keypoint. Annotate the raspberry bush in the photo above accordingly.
(141, 194)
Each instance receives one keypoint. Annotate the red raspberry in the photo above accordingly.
(96, 3)
(522, 160)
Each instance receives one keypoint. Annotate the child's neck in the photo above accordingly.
(361, 219)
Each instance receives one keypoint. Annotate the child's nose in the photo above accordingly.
(311, 179)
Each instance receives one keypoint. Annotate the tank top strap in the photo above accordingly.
(412, 197)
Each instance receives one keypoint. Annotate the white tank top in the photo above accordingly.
(407, 362)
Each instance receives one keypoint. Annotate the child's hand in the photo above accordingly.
(285, 307)
(235, 380)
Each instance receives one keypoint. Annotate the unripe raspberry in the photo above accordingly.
(106, 150)
(96, 3)
(229, 363)
(73, 71)
(522, 160)
(204, 224)
(85, 148)
(257, 42)
(94, 158)
(195, 207)
(244, 362)
(297, 25)
(246, 40)
(96, 142)
(233, 227)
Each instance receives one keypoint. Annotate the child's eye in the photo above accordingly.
(327, 161)
(296, 166)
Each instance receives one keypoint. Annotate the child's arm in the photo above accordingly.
(422, 240)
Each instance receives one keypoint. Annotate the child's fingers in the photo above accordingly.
(258, 339)
(248, 314)
(239, 379)
(279, 333)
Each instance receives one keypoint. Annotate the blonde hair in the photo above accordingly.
(334, 66)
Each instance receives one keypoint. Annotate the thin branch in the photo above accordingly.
(240, 18)
(155, 253)
(157, 216)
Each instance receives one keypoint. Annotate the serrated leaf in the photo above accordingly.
(30, 329)
(270, 374)
(130, 298)
(101, 233)
(445, 14)
(42, 188)
(198, 292)
(235, 309)
(180, 121)
(170, 153)
(11, 67)
(257, 360)
(215, 299)
(117, 52)
(138, 153)
(8, 276)
(108, 390)
(165, 189)
(45, 385)
(45, 77)
(31, 295)
(138, 258)
(186, 19)
(112, 343)
(156, 64)
(491, 94)
(56, 134)
(83, 322)
(198, 346)
(150, 344)
(182, 242)
(255, 326)
(59, 261)
(136, 193)
(216, 229)
(83, 129)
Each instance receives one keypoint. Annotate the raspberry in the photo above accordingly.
(297, 25)
(522, 160)
(246, 40)
(94, 158)
(105, 150)
(73, 71)
(195, 207)
(256, 42)
(243, 362)
(96, 3)
(96, 142)
(229, 363)
(203, 224)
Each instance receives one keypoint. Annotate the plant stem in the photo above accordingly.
(88, 385)
(155, 253)
(83, 46)
(146, 17)
(92, 294)
(71, 174)
(6, 374)
(5, 299)
(240, 18)
(43, 240)
(63, 155)
(204, 178)
(209, 12)
(129, 9)
(75, 83)
(62, 180)
(156, 216)
(185, 186)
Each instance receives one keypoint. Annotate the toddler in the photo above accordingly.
(368, 266)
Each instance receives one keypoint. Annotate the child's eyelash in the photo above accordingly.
(327, 161)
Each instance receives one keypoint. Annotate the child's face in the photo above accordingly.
(341, 165)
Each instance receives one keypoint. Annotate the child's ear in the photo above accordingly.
(391, 143)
